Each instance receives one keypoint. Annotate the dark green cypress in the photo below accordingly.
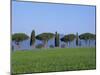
(56, 39)
(32, 39)
(77, 39)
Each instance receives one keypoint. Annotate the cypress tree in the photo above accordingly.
(32, 39)
(77, 39)
(56, 39)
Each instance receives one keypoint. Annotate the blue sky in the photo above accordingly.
(46, 17)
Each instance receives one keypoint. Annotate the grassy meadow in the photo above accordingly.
(53, 59)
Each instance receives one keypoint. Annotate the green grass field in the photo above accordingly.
(53, 59)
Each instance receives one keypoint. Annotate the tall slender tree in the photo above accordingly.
(32, 39)
(77, 39)
(56, 39)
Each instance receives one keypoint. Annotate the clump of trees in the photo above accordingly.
(19, 37)
(45, 37)
(87, 37)
(68, 38)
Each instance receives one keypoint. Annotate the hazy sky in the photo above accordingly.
(44, 17)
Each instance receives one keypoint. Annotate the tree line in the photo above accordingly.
(45, 37)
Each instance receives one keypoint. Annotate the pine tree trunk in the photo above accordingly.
(69, 44)
(33, 46)
(80, 43)
(77, 43)
(17, 43)
(86, 43)
(66, 44)
(45, 44)
(89, 43)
